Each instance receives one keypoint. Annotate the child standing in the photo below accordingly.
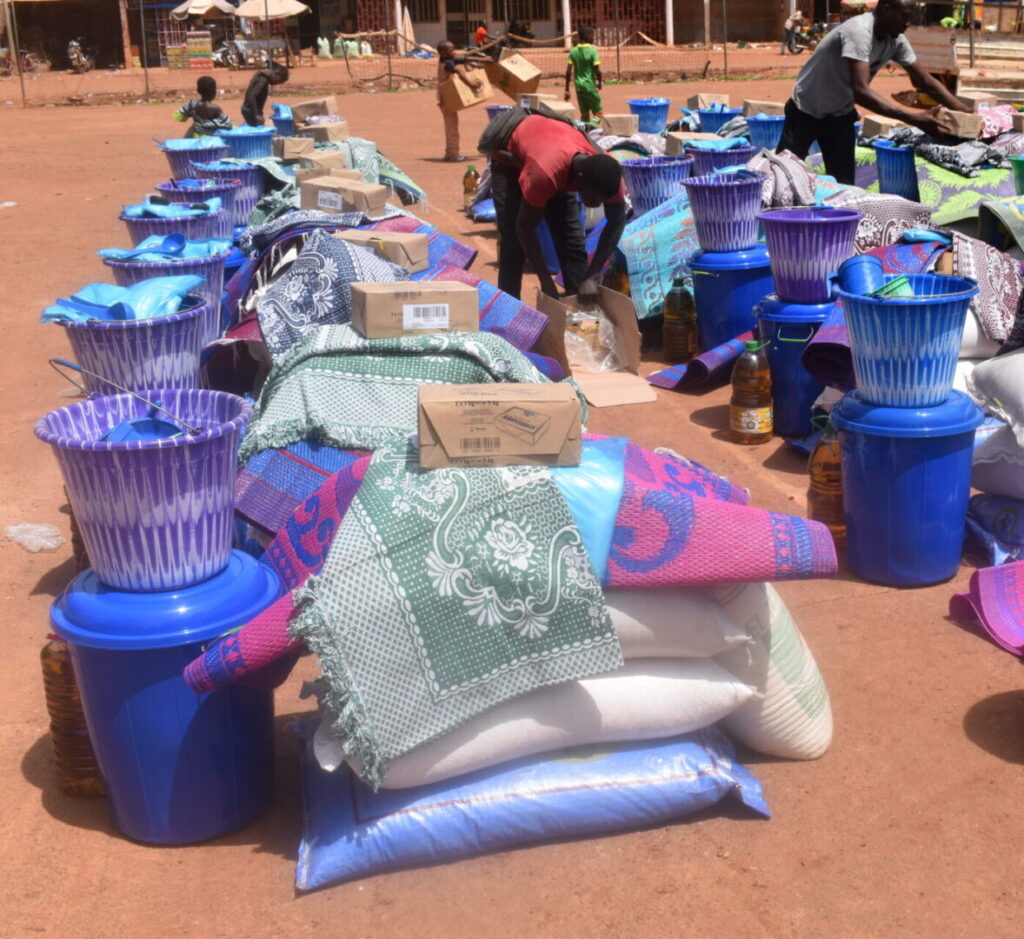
(256, 94)
(585, 66)
(451, 67)
(207, 116)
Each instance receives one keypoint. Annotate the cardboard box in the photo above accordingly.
(977, 102)
(303, 175)
(959, 124)
(384, 311)
(456, 94)
(325, 160)
(407, 249)
(752, 106)
(704, 100)
(338, 194)
(601, 389)
(314, 107)
(874, 126)
(533, 101)
(676, 140)
(624, 125)
(498, 425)
(1018, 122)
(291, 148)
(513, 75)
(560, 109)
(325, 133)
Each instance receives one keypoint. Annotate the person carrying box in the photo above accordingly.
(451, 67)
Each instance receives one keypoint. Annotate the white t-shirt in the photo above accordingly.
(823, 86)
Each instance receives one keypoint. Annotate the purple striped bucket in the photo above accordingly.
(253, 186)
(705, 162)
(154, 514)
(180, 161)
(160, 352)
(652, 181)
(211, 269)
(194, 228)
(725, 209)
(224, 189)
(806, 246)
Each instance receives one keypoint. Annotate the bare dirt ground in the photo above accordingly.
(908, 827)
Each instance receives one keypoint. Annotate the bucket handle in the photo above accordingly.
(807, 338)
(75, 367)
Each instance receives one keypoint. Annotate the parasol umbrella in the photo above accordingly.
(270, 9)
(202, 8)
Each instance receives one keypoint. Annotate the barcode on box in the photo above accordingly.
(329, 200)
(424, 315)
(481, 443)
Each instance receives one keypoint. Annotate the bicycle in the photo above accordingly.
(29, 63)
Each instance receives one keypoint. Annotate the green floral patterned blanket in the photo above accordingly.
(445, 593)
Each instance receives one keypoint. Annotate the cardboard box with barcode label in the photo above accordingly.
(514, 75)
(564, 109)
(342, 194)
(676, 140)
(326, 132)
(384, 311)
(959, 124)
(457, 95)
(601, 389)
(532, 101)
(314, 107)
(751, 106)
(407, 249)
(291, 148)
(304, 175)
(499, 425)
(705, 100)
(622, 125)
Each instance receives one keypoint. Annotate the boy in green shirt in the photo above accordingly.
(585, 62)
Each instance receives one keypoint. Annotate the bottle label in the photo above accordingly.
(750, 420)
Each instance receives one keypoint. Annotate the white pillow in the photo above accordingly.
(974, 344)
(998, 386)
(999, 465)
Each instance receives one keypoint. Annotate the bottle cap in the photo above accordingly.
(472, 168)
(752, 345)
(679, 282)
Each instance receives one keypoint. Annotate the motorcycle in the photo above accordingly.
(809, 37)
(228, 55)
(78, 59)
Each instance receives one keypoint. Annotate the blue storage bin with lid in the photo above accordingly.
(179, 767)
(727, 286)
(787, 328)
(906, 481)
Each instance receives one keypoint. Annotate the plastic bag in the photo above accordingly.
(150, 249)
(155, 207)
(349, 831)
(156, 296)
(192, 143)
(35, 538)
(590, 343)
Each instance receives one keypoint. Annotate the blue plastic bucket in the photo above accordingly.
(904, 349)
(284, 126)
(249, 143)
(897, 171)
(179, 767)
(787, 328)
(651, 112)
(712, 121)
(652, 181)
(727, 286)
(765, 131)
(906, 480)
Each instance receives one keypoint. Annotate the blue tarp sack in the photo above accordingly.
(158, 248)
(216, 165)
(157, 296)
(155, 207)
(190, 143)
(726, 143)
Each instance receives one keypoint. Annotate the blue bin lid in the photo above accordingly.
(774, 310)
(956, 415)
(756, 256)
(88, 613)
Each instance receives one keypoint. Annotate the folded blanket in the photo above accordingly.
(884, 218)
(443, 594)
(339, 388)
(678, 524)
(317, 290)
(399, 181)
(790, 182)
(1001, 222)
(965, 159)
(994, 605)
(258, 238)
(1001, 286)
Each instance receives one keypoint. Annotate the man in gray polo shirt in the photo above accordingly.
(838, 76)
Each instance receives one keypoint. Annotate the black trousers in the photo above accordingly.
(563, 217)
(835, 135)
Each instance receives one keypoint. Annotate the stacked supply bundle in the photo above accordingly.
(319, 118)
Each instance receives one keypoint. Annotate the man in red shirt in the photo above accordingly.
(536, 175)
